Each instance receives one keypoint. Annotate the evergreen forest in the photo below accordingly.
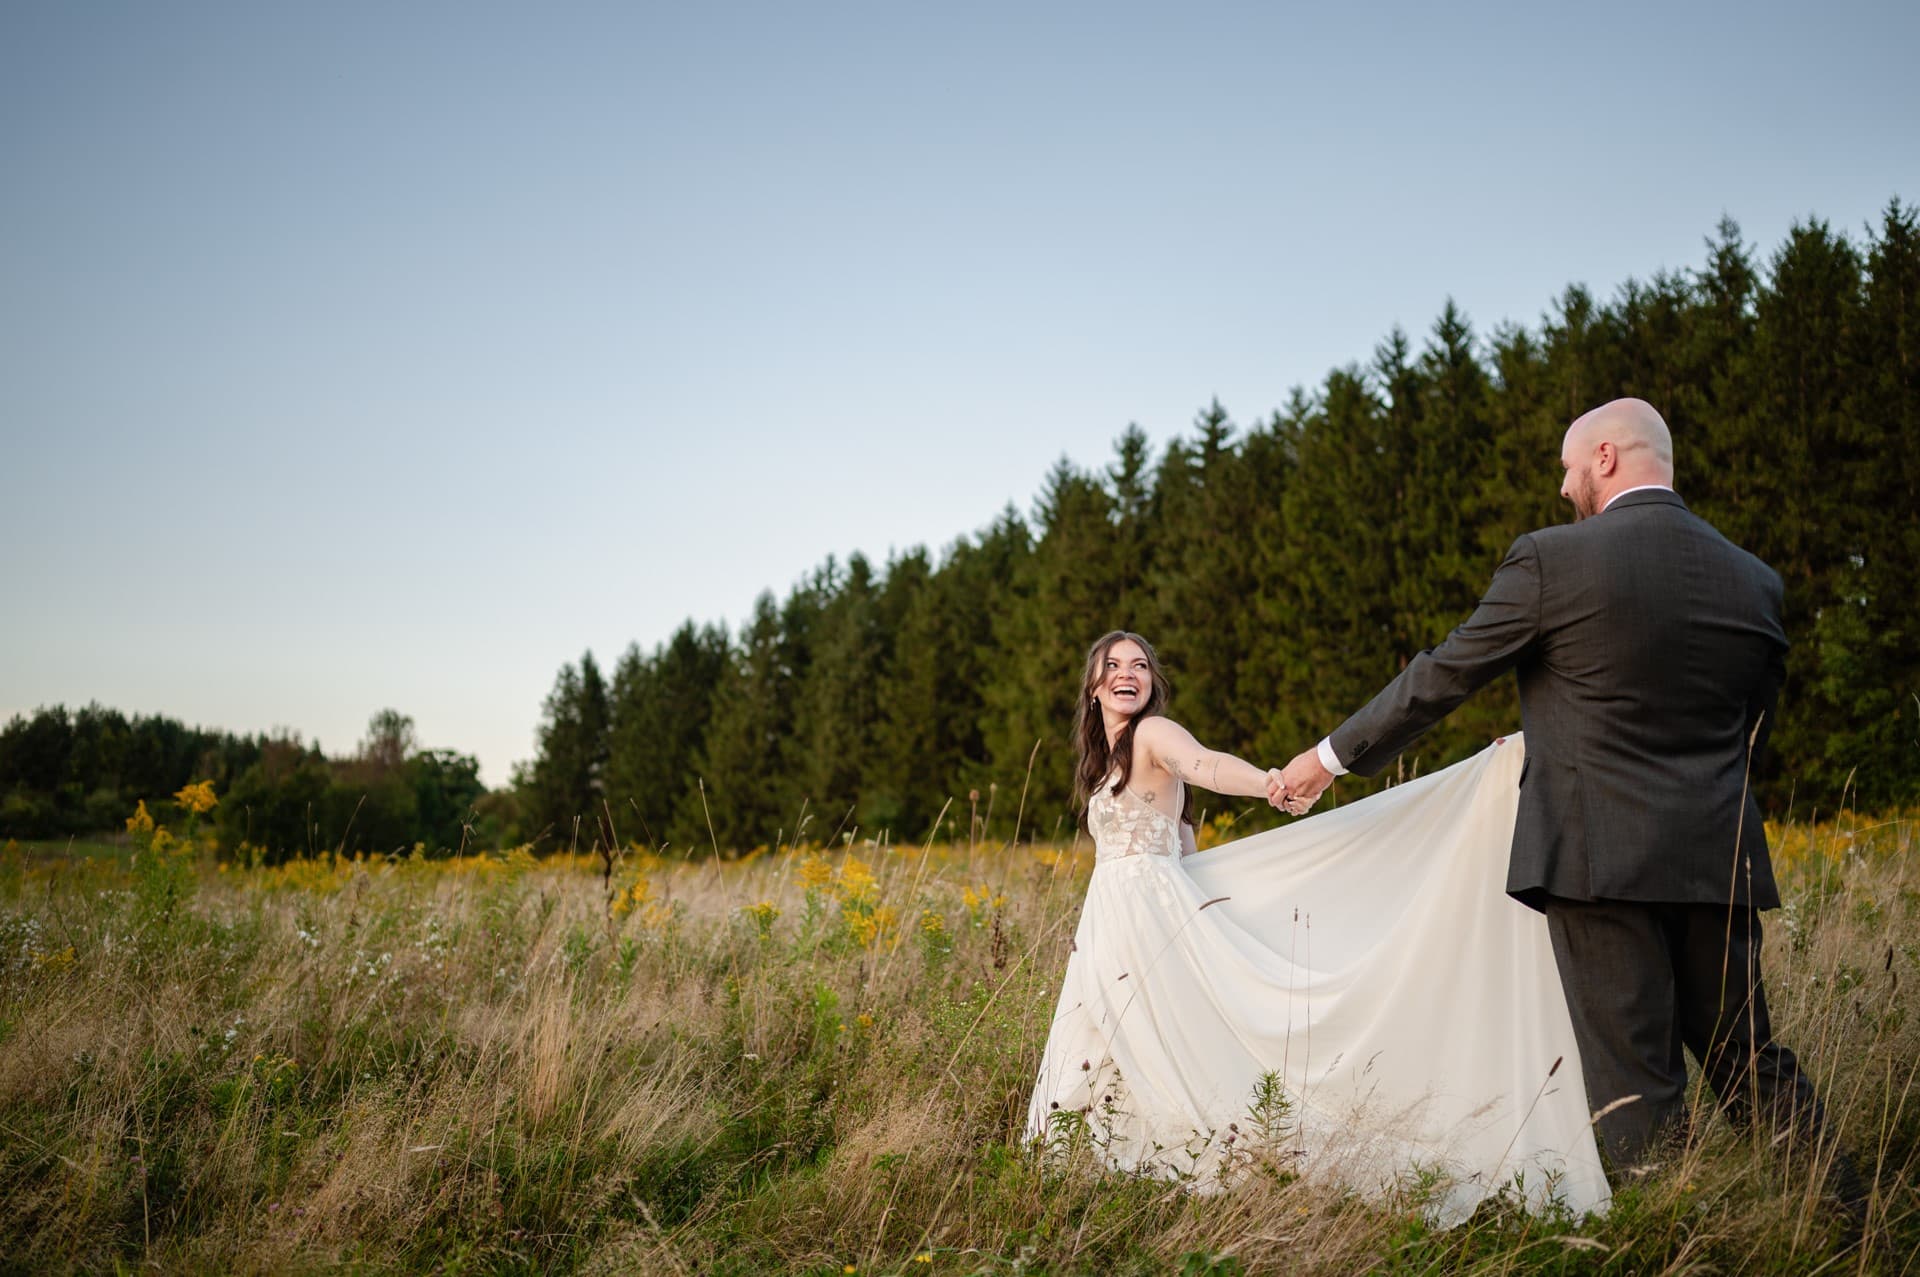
(1285, 567)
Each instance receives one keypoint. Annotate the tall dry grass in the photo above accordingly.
(799, 1062)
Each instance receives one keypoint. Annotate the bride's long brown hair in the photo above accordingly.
(1093, 759)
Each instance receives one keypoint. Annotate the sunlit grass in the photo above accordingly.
(800, 1060)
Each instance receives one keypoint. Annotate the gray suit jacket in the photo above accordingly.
(1648, 649)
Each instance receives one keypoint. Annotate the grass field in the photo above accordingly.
(803, 1061)
(93, 847)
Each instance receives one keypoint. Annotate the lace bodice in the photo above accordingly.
(1124, 824)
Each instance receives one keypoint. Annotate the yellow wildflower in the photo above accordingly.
(856, 884)
(981, 901)
(162, 840)
(1216, 830)
(815, 873)
(141, 822)
(640, 893)
(869, 927)
(197, 797)
(932, 923)
(862, 928)
(54, 962)
(762, 916)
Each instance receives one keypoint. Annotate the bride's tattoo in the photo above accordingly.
(1198, 765)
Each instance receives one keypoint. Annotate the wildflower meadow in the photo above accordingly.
(807, 1059)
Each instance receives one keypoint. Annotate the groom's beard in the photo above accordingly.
(1585, 497)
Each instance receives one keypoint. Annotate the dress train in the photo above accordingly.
(1356, 989)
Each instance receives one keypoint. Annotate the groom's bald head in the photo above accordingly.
(1619, 445)
(1632, 426)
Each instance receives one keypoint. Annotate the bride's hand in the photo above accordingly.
(1292, 804)
(1277, 795)
(1305, 777)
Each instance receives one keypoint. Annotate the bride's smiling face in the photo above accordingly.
(1126, 679)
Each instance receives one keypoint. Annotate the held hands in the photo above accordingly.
(1292, 804)
(1299, 785)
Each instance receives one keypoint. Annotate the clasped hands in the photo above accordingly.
(1297, 786)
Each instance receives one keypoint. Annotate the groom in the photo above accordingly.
(1649, 651)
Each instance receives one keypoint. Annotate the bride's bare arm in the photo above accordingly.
(1172, 748)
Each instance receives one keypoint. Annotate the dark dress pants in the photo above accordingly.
(1643, 981)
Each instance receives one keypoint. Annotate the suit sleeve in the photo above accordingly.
(1763, 704)
(1500, 631)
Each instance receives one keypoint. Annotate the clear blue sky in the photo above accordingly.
(356, 355)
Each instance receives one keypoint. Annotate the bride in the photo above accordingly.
(1354, 994)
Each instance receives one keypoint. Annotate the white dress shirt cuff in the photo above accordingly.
(1330, 760)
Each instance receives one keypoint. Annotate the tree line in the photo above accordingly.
(1287, 569)
(67, 773)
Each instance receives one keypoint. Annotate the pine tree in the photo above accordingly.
(835, 697)
(1801, 462)
(928, 750)
(635, 753)
(981, 583)
(1452, 501)
(905, 751)
(1866, 640)
(659, 708)
(1714, 396)
(742, 785)
(1070, 590)
(1134, 505)
(564, 806)
(1201, 579)
(1331, 613)
(1276, 669)
(1522, 488)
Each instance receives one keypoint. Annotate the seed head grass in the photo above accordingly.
(808, 1060)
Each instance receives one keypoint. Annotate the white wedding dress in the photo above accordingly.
(1367, 960)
